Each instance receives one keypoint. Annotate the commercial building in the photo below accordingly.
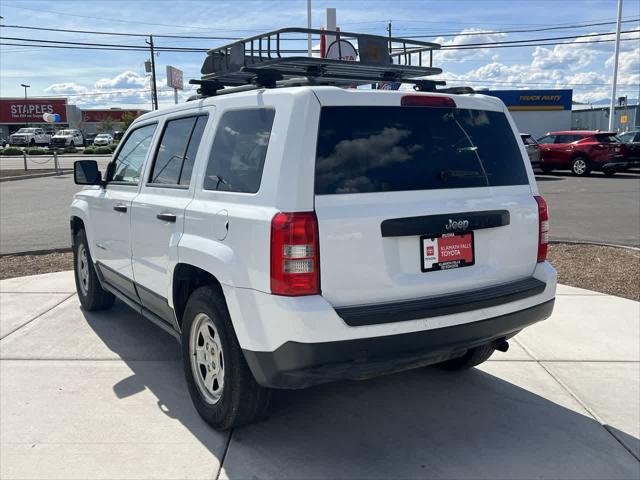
(16, 113)
(537, 111)
(586, 117)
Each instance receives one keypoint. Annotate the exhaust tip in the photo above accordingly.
(502, 345)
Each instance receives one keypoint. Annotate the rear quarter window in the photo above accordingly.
(384, 149)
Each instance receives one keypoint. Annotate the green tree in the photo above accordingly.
(106, 125)
(127, 119)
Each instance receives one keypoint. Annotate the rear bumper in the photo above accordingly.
(299, 365)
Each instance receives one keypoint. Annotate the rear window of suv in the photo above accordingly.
(386, 149)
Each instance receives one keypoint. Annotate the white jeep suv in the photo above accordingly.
(293, 236)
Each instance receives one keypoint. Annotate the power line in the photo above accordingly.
(466, 46)
(204, 37)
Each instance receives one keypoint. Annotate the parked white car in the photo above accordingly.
(68, 137)
(103, 139)
(29, 137)
(293, 236)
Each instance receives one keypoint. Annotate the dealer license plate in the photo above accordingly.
(447, 251)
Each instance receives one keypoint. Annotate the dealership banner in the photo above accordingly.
(31, 111)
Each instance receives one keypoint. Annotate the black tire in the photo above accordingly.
(32, 143)
(580, 166)
(472, 358)
(72, 144)
(241, 400)
(609, 172)
(91, 294)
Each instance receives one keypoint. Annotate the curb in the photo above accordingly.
(36, 252)
(598, 244)
(35, 175)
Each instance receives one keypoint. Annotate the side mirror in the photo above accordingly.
(85, 172)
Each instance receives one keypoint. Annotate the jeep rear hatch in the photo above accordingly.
(420, 199)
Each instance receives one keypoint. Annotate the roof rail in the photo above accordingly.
(262, 62)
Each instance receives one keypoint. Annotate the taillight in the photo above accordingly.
(295, 258)
(427, 101)
(543, 228)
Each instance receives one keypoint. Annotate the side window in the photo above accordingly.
(546, 139)
(176, 153)
(128, 163)
(567, 138)
(239, 150)
(192, 150)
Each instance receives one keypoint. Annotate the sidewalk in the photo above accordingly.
(102, 395)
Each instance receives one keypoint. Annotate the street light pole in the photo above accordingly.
(25, 102)
(309, 42)
(612, 109)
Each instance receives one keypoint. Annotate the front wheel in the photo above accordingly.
(220, 383)
(32, 143)
(91, 294)
(580, 166)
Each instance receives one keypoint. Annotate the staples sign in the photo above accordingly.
(19, 111)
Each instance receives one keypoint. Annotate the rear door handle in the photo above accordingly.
(120, 208)
(166, 217)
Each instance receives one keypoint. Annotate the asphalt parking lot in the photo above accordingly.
(102, 395)
(594, 209)
(34, 212)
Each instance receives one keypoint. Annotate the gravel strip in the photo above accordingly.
(22, 265)
(611, 270)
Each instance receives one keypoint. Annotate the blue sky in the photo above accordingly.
(105, 78)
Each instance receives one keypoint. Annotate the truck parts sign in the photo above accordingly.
(31, 111)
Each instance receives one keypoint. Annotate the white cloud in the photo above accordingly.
(126, 88)
(457, 56)
(126, 79)
(69, 88)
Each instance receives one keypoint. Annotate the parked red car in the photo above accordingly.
(581, 152)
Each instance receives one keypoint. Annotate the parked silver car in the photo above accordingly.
(533, 149)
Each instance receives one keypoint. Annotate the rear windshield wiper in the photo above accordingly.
(445, 174)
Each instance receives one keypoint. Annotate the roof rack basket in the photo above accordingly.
(261, 61)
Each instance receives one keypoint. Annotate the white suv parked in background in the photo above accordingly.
(294, 236)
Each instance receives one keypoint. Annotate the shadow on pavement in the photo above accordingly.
(416, 424)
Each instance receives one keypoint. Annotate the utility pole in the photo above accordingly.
(389, 32)
(25, 102)
(612, 110)
(309, 43)
(154, 88)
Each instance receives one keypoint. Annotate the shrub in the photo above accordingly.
(37, 151)
(70, 150)
(12, 151)
(89, 150)
(102, 150)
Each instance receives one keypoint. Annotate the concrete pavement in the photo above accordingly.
(102, 395)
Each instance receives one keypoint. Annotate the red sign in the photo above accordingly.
(104, 115)
(455, 248)
(447, 251)
(31, 111)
